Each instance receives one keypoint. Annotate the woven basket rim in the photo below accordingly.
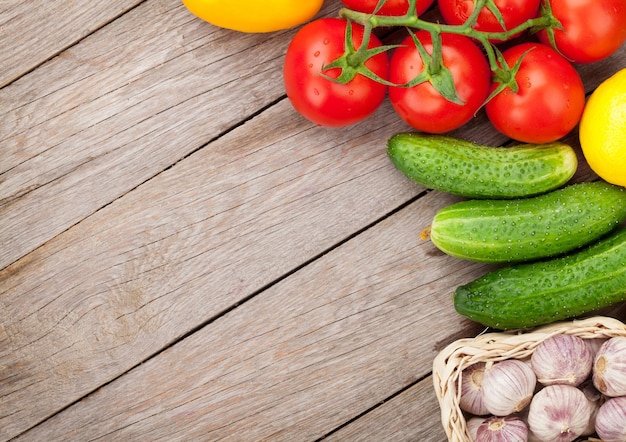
(497, 346)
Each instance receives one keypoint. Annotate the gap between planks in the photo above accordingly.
(224, 312)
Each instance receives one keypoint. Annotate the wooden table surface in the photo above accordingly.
(183, 257)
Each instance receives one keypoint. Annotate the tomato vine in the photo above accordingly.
(412, 21)
(443, 72)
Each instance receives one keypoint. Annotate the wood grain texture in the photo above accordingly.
(139, 203)
(168, 256)
(409, 417)
(32, 32)
(302, 357)
(117, 109)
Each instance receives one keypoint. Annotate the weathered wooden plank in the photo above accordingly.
(410, 416)
(197, 239)
(125, 282)
(300, 358)
(118, 108)
(34, 31)
(124, 104)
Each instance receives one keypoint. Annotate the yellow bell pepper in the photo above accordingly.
(254, 15)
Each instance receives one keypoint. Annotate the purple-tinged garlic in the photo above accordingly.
(471, 399)
(508, 387)
(611, 420)
(562, 359)
(502, 429)
(609, 367)
(559, 413)
(472, 425)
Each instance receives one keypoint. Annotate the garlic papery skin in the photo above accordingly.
(471, 399)
(609, 367)
(502, 429)
(472, 426)
(508, 387)
(611, 420)
(559, 413)
(562, 359)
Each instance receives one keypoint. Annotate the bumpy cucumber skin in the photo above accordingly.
(505, 231)
(531, 294)
(467, 169)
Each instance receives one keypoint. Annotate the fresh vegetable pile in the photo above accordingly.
(512, 57)
(559, 382)
(561, 247)
(563, 244)
(568, 387)
(565, 250)
(515, 59)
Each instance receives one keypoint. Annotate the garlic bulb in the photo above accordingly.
(502, 429)
(471, 399)
(562, 359)
(472, 426)
(611, 420)
(609, 367)
(508, 387)
(559, 413)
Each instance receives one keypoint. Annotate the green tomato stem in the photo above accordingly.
(414, 22)
(354, 60)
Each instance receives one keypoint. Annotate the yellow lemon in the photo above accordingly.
(254, 15)
(603, 129)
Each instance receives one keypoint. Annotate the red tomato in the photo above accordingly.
(422, 106)
(319, 99)
(592, 29)
(550, 99)
(391, 7)
(514, 13)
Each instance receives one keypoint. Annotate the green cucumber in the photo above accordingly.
(530, 294)
(467, 169)
(504, 231)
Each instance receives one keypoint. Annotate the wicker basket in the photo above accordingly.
(492, 347)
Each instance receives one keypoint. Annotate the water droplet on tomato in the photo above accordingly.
(350, 92)
(527, 82)
(316, 92)
(316, 54)
(325, 41)
(310, 65)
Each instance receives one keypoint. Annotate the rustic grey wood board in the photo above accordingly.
(183, 257)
